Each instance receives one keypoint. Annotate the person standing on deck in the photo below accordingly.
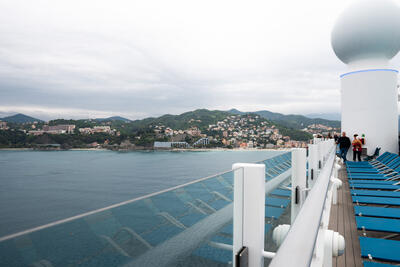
(364, 148)
(336, 137)
(362, 139)
(344, 145)
(357, 148)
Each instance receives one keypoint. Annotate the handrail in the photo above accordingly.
(298, 247)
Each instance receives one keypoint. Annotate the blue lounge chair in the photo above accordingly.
(378, 224)
(380, 249)
(376, 200)
(273, 212)
(71, 243)
(375, 264)
(375, 193)
(388, 164)
(377, 212)
(373, 156)
(215, 254)
(374, 186)
(371, 182)
(281, 192)
(367, 177)
(277, 202)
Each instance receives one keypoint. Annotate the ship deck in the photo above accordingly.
(343, 221)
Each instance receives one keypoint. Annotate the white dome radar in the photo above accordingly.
(368, 29)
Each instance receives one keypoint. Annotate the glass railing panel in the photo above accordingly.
(190, 225)
(277, 165)
(278, 201)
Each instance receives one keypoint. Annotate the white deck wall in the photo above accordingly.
(369, 106)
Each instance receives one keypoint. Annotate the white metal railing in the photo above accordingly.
(307, 241)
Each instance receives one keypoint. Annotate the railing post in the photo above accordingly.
(320, 155)
(316, 140)
(249, 213)
(312, 164)
(336, 182)
(299, 181)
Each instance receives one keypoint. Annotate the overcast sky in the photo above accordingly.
(80, 59)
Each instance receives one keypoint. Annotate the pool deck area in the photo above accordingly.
(342, 220)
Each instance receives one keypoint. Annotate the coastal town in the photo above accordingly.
(248, 131)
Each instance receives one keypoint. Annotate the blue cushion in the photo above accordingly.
(378, 224)
(380, 248)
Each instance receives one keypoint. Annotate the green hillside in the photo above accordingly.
(291, 121)
(20, 118)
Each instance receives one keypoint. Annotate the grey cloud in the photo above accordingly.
(130, 58)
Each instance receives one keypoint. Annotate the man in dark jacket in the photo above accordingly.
(344, 145)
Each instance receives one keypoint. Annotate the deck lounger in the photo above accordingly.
(218, 254)
(351, 172)
(139, 217)
(374, 186)
(215, 254)
(390, 172)
(281, 192)
(355, 174)
(371, 167)
(387, 165)
(273, 212)
(376, 200)
(381, 177)
(392, 175)
(380, 158)
(203, 198)
(367, 178)
(277, 202)
(227, 230)
(377, 212)
(371, 182)
(173, 203)
(373, 171)
(217, 186)
(354, 179)
(383, 159)
(378, 224)
(375, 193)
(361, 168)
(68, 243)
(359, 174)
(352, 164)
(382, 249)
(376, 264)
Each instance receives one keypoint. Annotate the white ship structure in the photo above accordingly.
(303, 207)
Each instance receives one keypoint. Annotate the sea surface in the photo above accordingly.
(39, 187)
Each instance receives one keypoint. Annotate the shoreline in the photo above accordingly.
(154, 150)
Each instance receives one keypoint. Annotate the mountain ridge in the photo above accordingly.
(291, 120)
(20, 118)
(113, 118)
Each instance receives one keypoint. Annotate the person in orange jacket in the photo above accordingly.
(357, 148)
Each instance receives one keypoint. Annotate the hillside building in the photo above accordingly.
(3, 125)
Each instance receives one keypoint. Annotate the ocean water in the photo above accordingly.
(39, 187)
